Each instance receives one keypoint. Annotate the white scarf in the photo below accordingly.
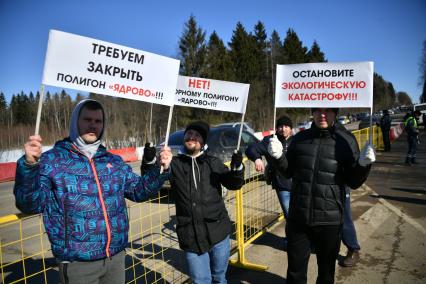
(88, 150)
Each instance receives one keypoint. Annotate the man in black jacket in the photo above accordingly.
(321, 160)
(385, 126)
(283, 130)
(203, 224)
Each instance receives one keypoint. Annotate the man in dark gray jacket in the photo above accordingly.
(385, 126)
(283, 130)
(321, 160)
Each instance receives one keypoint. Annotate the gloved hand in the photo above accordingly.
(236, 160)
(275, 148)
(149, 153)
(367, 155)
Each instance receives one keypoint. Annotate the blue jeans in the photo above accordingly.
(284, 198)
(349, 234)
(209, 267)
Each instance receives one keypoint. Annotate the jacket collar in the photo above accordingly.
(66, 144)
(329, 132)
(200, 157)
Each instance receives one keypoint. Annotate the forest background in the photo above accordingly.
(250, 57)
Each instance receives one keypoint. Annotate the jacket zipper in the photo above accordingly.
(101, 199)
(312, 203)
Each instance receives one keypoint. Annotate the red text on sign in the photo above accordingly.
(199, 83)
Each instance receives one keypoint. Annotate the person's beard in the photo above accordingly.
(193, 150)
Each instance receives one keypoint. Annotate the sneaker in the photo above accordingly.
(408, 161)
(351, 259)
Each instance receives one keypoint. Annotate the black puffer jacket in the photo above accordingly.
(321, 163)
(202, 219)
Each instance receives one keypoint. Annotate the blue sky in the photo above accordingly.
(388, 32)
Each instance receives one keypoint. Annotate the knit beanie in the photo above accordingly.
(284, 120)
(201, 127)
(335, 110)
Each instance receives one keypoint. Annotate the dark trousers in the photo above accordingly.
(412, 146)
(326, 240)
(386, 139)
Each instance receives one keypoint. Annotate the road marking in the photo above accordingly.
(368, 222)
(8, 218)
(398, 212)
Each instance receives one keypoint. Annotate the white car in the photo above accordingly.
(304, 125)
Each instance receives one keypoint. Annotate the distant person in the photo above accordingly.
(81, 188)
(412, 129)
(385, 126)
(321, 161)
(349, 237)
(203, 225)
(424, 120)
(282, 185)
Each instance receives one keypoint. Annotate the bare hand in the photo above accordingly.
(33, 149)
(259, 166)
(165, 157)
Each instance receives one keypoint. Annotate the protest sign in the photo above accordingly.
(211, 94)
(92, 65)
(348, 84)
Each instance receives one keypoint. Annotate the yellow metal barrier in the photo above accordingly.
(153, 254)
(362, 136)
(257, 208)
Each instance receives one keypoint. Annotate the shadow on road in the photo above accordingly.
(401, 199)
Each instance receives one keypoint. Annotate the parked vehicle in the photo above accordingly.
(222, 141)
(304, 125)
(246, 126)
(365, 122)
(343, 119)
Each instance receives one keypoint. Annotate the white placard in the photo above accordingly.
(345, 84)
(92, 65)
(211, 94)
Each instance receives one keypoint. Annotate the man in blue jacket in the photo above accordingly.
(80, 189)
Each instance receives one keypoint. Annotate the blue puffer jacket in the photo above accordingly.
(82, 200)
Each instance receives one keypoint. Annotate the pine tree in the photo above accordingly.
(404, 99)
(391, 95)
(218, 62)
(293, 50)
(379, 92)
(315, 54)
(243, 54)
(3, 109)
(21, 107)
(423, 95)
(260, 37)
(192, 49)
(422, 78)
(275, 49)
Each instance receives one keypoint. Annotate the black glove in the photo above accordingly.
(149, 152)
(236, 160)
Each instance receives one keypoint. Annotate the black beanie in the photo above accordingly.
(201, 127)
(284, 120)
(335, 110)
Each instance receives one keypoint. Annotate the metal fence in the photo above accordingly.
(153, 254)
